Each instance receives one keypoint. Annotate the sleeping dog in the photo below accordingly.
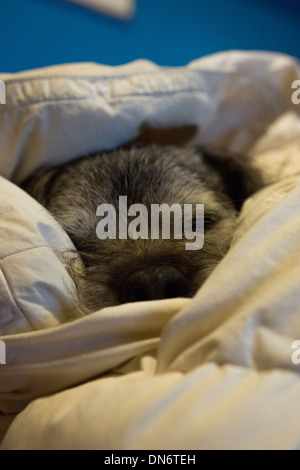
(116, 269)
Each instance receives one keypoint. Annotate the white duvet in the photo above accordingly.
(214, 372)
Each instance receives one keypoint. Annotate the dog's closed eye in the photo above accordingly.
(209, 222)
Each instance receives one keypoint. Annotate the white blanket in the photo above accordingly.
(212, 372)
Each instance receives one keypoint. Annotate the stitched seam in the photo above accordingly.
(112, 101)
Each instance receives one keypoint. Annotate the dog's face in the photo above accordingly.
(124, 270)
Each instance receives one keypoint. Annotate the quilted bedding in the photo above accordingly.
(219, 371)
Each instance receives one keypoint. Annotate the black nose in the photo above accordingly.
(155, 282)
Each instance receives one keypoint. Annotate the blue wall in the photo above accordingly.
(35, 33)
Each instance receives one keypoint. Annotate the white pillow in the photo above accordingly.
(35, 287)
(55, 114)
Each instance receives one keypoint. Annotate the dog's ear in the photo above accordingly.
(40, 183)
(229, 174)
(240, 179)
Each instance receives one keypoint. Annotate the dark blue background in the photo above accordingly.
(35, 33)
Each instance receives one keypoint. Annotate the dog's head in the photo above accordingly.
(142, 267)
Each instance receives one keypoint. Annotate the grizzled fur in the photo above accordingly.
(116, 271)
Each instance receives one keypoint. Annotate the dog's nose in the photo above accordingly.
(152, 283)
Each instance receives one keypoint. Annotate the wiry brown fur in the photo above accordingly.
(146, 175)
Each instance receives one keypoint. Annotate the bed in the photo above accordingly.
(218, 371)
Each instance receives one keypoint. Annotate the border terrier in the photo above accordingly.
(114, 271)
